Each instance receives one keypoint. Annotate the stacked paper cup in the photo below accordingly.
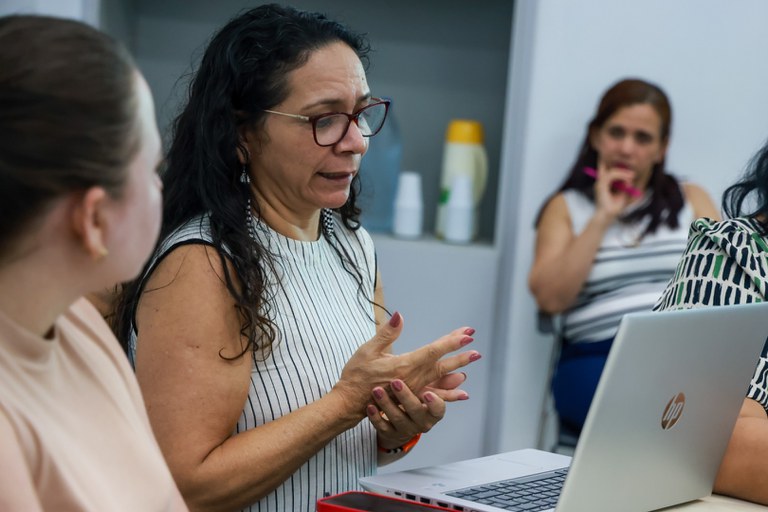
(409, 208)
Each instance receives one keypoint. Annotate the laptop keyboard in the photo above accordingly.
(527, 494)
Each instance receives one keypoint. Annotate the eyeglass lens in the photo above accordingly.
(331, 129)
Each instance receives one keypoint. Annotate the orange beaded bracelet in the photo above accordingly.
(405, 448)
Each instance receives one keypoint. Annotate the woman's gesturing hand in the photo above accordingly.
(398, 418)
(427, 369)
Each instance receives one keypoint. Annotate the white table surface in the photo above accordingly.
(716, 503)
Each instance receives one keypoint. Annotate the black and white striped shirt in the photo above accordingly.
(322, 317)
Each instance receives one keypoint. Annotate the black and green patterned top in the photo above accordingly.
(725, 263)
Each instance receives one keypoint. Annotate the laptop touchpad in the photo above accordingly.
(495, 468)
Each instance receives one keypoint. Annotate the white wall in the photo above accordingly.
(709, 56)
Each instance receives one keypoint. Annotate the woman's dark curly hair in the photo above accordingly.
(243, 71)
(666, 197)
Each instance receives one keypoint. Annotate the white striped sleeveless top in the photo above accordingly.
(627, 275)
(321, 319)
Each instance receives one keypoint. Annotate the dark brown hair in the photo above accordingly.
(68, 116)
(243, 71)
(666, 197)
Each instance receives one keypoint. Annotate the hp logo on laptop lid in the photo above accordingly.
(673, 411)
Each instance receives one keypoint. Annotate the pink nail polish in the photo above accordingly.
(466, 340)
(429, 397)
(397, 385)
(378, 393)
(469, 332)
(464, 397)
(395, 320)
(474, 357)
(371, 410)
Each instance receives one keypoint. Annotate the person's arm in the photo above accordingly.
(16, 489)
(744, 471)
(700, 202)
(562, 261)
(186, 322)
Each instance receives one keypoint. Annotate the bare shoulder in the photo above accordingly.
(554, 214)
(700, 201)
(555, 207)
(186, 300)
(554, 230)
(198, 262)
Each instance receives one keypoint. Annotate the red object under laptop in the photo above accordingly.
(356, 501)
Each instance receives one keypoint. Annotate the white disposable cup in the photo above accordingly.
(409, 207)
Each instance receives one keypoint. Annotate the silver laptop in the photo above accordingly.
(657, 429)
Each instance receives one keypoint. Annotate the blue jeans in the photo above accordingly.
(575, 380)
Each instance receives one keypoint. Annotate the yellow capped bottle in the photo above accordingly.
(463, 155)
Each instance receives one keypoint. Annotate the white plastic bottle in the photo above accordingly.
(460, 212)
(463, 155)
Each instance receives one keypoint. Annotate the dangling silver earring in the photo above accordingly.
(245, 179)
(326, 220)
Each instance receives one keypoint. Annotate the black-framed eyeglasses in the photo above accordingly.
(329, 128)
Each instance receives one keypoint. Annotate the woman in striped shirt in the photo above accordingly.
(609, 239)
(248, 328)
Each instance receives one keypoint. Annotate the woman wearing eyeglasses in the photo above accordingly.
(258, 331)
